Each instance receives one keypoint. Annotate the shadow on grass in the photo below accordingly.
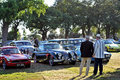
(38, 67)
(107, 76)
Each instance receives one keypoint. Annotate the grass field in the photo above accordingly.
(42, 71)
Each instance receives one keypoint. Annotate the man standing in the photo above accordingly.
(98, 55)
(86, 54)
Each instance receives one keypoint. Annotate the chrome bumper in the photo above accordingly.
(65, 60)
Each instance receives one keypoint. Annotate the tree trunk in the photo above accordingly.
(66, 33)
(44, 35)
(88, 32)
(15, 32)
(114, 34)
(83, 31)
(15, 29)
(5, 33)
(107, 31)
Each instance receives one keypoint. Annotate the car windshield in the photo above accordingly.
(62, 42)
(108, 42)
(10, 51)
(23, 44)
(52, 46)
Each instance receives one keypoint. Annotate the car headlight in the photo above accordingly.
(72, 53)
(8, 59)
(55, 53)
(59, 54)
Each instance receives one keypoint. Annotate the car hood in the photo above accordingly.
(106, 52)
(16, 56)
(112, 45)
(58, 50)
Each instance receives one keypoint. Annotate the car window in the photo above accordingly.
(51, 46)
(23, 44)
(109, 42)
(10, 51)
(71, 42)
(12, 44)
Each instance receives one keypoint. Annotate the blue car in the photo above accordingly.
(62, 42)
(107, 55)
(54, 53)
(75, 41)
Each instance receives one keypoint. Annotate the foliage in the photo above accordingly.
(34, 35)
(53, 34)
(44, 23)
(14, 9)
(11, 35)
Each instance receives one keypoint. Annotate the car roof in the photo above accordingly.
(8, 47)
(49, 43)
(21, 41)
(75, 39)
(58, 39)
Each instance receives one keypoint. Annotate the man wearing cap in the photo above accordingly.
(86, 54)
(98, 55)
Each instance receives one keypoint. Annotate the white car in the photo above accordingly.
(24, 46)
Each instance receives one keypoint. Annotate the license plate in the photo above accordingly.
(18, 65)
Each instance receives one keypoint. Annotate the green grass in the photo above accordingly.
(42, 71)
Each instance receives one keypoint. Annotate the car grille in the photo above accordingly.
(19, 61)
(107, 55)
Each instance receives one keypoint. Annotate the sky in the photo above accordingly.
(49, 2)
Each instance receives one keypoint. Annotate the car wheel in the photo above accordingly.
(35, 59)
(4, 65)
(51, 62)
(28, 66)
(73, 62)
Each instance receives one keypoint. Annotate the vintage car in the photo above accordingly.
(10, 56)
(77, 50)
(75, 41)
(24, 46)
(53, 53)
(62, 42)
(110, 46)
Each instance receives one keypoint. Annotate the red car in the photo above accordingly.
(10, 56)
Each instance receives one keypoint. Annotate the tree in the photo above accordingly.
(11, 35)
(53, 34)
(44, 23)
(12, 9)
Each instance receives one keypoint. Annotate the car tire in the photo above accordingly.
(73, 62)
(4, 65)
(35, 59)
(51, 62)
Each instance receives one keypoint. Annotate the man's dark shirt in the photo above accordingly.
(86, 49)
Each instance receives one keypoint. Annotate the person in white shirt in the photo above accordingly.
(98, 54)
